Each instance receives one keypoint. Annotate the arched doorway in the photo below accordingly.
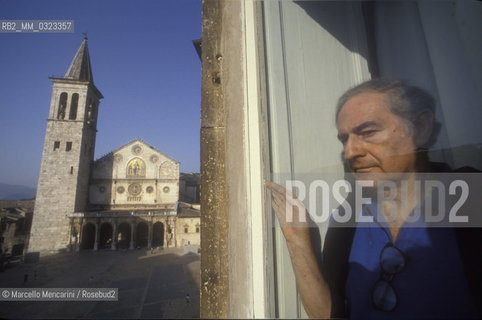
(105, 240)
(124, 235)
(141, 234)
(88, 236)
(158, 234)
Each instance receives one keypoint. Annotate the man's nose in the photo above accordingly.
(353, 148)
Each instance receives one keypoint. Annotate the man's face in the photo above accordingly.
(378, 145)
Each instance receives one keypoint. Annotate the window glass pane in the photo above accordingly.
(437, 47)
(314, 51)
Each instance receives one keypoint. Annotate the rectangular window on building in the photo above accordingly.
(56, 145)
(185, 229)
(68, 146)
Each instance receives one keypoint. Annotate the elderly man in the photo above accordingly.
(383, 269)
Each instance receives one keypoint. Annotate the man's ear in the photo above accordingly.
(423, 128)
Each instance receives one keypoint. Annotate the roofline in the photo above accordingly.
(80, 67)
(133, 141)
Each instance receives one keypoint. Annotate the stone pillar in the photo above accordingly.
(97, 235)
(133, 227)
(166, 235)
(174, 232)
(169, 238)
(71, 235)
(81, 227)
(114, 236)
(214, 213)
(149, 234)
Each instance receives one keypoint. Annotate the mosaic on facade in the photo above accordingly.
(136, 168)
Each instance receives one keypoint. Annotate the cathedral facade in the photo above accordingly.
(127, 199)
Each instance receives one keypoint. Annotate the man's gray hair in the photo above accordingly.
(403, 100)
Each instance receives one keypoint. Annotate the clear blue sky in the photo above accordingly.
(143, 62)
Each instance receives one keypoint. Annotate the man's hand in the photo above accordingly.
(291, 213)
(295, 224)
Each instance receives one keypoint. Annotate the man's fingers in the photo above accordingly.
(278, 207)
(282, 196)
(288, 209)
(286, 198)
(277, 188)
(282, 193)
(279, 197)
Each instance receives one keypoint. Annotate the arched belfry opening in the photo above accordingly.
(62, 106)
(74, 104)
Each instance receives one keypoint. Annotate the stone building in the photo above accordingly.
(188, 226)
(133, 193)
(127, 199)
(15, 223)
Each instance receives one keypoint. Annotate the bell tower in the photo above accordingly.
(67, 155)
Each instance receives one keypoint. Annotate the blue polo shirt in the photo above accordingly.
(432, 284)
